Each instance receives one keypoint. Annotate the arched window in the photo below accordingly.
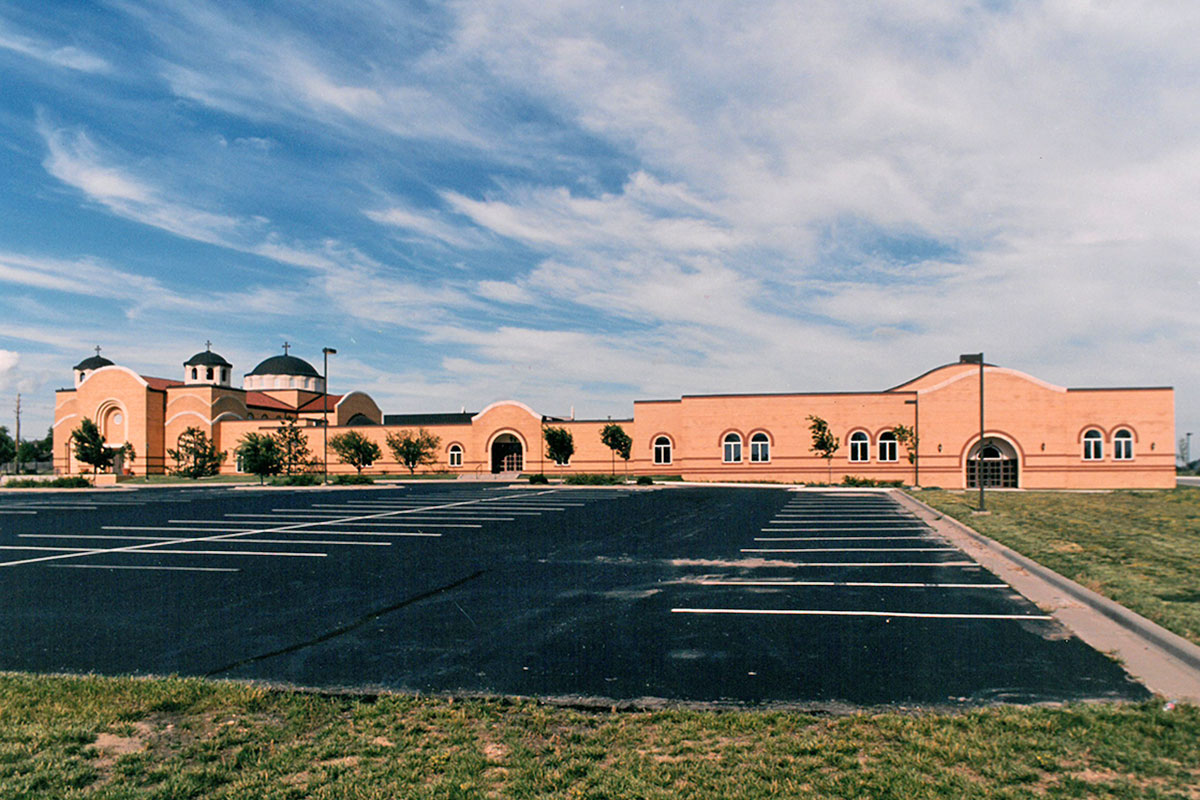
(208, 374)
(195, 373)
(455, 453)
(887, 446)
(224, 375)
(662, 450)
(1123, 445)
(733, 449)
(860, 447)
(1093, 446)
(760, 448)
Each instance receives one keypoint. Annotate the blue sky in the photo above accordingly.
(578, 204)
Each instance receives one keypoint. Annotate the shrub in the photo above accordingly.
(589, 479)
(645, 480)
(539, 478)
(854, 480)
(75, 482)
(351, 480)
(302, 479)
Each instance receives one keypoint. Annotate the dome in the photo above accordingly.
(285, 365)
(93, 363)
(206, 358)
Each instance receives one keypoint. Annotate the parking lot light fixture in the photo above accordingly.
(326, 352)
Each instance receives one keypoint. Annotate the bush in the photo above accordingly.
(588, 479)
(645, 480)
(539, 478)
(352, 480)
(303, 479)
(854, 480)
(75, 482)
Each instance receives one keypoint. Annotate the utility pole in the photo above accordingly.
(18, 439)
(326, 352)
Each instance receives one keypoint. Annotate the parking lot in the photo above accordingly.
(697, 594)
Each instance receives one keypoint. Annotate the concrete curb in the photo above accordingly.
(1150, 634)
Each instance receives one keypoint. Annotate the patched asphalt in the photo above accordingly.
(697, 594)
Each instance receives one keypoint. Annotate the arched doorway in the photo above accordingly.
(507, 454)
(996, 461)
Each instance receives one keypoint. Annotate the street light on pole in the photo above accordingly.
(326, 352)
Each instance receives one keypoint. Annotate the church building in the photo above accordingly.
(925, 431)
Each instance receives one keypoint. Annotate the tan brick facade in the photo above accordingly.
(1034, 431)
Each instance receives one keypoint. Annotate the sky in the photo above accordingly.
(578, 204)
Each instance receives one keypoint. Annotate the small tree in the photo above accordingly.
(89, 446)
(355, 449)
(616, 439)
(414, 449)
(294, 453)
(560, 445)
(824, 443)
(195, 456)
(908, 437)
(8, 448)
(260, 455)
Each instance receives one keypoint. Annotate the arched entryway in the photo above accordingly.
(507, 454)
(996, 461)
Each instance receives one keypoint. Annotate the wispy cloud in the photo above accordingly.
(66, 56)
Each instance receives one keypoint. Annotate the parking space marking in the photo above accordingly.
(165, 538)
(870, 584)
(847, 530)
(848, 549)
(353, 521)
(840, 538)
(813, 612)
(139, 552)
(17, 512)
(131, 566)
(220, 537)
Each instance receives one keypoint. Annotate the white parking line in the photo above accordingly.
(18, 512)
(353, 521)
(129, 566)
(221, 537)
(165, 538)
(138, 552)
(849, 549)
(812, 612)
(839, 538)
(872, 584)
(842, 530)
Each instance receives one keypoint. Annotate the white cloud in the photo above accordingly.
(60, 56)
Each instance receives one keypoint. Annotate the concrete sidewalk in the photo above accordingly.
(1164, 662)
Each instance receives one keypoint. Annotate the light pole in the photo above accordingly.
(916, 440)
(326, 352)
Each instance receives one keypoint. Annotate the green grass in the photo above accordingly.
(71, 482)
(1139, 548)
(123, 738)
(157, 479)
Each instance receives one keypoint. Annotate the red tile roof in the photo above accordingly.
(315, 403)
(261, 400)
(160, 384)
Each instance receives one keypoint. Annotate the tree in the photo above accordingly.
(824, 443)
(195, 456)
(908, 437)
(355, 449)
(560, 445)
(293, 447)
(414, 449)
(8, 449)
(32, 450)
(260, 455)
(89, 445)
(616, 439)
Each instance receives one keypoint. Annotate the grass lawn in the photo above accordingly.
(90, 737)
(1140, 548)
(142, 480)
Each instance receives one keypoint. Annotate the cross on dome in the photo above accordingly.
(208, 345)
(285, 348)
(97, 349)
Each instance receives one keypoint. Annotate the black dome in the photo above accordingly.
(285, 365)
(206, 358)
(93, 362)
